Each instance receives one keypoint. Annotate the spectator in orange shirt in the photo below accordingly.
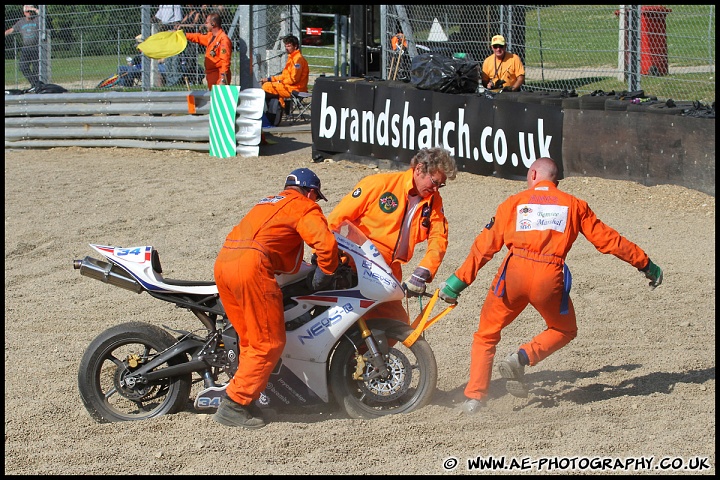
(399, 210)
(538, 226)
(218, 51)
(295, 76)
(269, 240)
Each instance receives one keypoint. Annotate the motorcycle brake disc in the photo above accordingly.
(393, 387)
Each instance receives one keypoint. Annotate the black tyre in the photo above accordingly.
(533, 97)
(571, 103)
(593, 102)
(274, 118)
(115, 353)
(669, 108)
(412, 381)
(552, 100)
(641, 107)
(616, 105)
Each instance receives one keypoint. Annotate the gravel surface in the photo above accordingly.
(638, 381)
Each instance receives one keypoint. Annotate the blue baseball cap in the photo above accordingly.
(306, 178)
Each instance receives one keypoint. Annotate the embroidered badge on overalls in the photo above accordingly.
(425, 214)
(388, 202)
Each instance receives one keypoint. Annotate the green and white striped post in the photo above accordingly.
(223, 110)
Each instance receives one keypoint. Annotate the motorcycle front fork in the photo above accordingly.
(374, 355)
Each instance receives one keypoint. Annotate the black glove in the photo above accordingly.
(415, 283)
(653, 273)
(321, 280)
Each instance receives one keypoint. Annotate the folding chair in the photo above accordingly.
(298, 106)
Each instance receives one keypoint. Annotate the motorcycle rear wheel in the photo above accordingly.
(411, 384)
(115, 353)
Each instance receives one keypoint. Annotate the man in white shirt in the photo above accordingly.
(169, 17)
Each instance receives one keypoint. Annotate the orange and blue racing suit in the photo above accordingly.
(295, 76)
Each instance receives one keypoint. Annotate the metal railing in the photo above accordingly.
(667, 51)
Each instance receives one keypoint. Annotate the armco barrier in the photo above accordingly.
(643, 147)
(155, 120)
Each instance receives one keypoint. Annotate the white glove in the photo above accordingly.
(446, 294)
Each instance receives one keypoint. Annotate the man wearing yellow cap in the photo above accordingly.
(502, 69)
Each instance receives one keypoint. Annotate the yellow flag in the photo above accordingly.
(164, 44)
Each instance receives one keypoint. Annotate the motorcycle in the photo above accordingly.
(136, 370)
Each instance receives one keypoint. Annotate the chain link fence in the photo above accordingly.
(82, 46)
(667, 51)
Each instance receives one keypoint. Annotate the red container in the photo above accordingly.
(653, 40)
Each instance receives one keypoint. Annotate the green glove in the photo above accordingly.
(450, 289)
(653, 273)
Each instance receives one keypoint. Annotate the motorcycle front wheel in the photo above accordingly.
(410, 385)
(113, 355)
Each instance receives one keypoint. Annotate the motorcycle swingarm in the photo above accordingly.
(147, 375)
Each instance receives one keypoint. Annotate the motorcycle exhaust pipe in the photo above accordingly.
(107, 273)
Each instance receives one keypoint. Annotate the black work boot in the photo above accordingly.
(232, 414)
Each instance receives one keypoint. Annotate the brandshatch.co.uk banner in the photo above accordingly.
(393, 120)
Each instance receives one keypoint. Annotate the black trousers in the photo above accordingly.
(30, 64)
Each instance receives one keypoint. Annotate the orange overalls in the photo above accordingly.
(294, 76)
(267, 241)
(538, 226)
(377, 206)
(396, 40)
(218, 52)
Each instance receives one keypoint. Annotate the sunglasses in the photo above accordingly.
(498, 46)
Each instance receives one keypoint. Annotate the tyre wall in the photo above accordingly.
(641, 146)
(588, 136)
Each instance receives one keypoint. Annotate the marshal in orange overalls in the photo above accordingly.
(218, 53)
(295, 76)
(378, 206)
(269, 240)
(538, 226)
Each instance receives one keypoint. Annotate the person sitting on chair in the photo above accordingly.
(294, 76)
(131, 74)
(502, 69)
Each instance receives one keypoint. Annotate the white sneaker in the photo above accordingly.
(472, 406)
(511, 369)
